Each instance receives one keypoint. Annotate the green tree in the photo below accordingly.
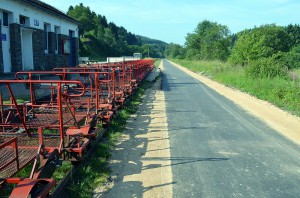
(99, 39)
(290, 59)
(261, 42)
(84, 16)
(210, 41)
(294, 32)
(175, 51)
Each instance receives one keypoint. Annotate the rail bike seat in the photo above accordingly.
(33, 188)
(85, 130)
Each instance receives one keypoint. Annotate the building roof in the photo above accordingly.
(44, 6)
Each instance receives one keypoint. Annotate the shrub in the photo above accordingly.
(266, 67)
(291, 59)
(260, 42)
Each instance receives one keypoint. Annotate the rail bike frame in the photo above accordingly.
(24, 140)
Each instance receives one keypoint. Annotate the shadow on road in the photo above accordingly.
(132, 161)
(183, 160)
(128, 161)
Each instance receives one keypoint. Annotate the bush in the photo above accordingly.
(291, 59)
(266, 67)
(260, 42)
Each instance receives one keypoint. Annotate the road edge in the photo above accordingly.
(285, 124)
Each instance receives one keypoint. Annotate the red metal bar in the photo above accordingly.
(18, 110)
(40, 135)
(97, 91)
(25, 186)
(2, 110)
(32, 98)
(113, 84)
(35, 162)
(60, 114)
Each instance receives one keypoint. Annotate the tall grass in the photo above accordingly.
(282, 92)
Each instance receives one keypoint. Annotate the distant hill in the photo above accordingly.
(100, 39)
(146, 40)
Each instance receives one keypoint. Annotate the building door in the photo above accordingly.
(5, 42)
(27, 52)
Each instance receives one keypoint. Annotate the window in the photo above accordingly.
(71, 33)
(5, 19)
(46, 37)
(24, 20)
(56, 32)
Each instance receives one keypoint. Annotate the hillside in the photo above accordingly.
(146, 40)
(100, 38)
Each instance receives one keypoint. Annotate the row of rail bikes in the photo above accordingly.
(61, 118)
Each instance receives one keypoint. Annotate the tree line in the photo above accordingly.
(265, 51)
(100, 39)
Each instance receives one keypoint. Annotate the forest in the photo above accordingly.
(262, 61)
(100, 38)
(265, 51)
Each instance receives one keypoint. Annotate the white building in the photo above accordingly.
(139, 56)
(36, 36)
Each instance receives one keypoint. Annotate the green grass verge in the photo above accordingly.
(157, 62)
(284, 93)
(19, 101)
(95, 172)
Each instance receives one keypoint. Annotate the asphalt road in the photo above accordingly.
(219, 150)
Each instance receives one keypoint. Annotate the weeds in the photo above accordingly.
(282, 92)
(96, 172)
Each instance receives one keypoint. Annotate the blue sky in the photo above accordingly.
(171, 20)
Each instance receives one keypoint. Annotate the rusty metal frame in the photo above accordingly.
(122, 79)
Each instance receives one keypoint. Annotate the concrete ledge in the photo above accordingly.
(153, 75)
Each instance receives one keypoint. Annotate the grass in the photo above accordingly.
(19, 101)
(61, 171)
(282, 92)
(157, 62)
(95, 172)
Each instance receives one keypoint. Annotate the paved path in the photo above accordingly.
(140, 164)
(219, 150)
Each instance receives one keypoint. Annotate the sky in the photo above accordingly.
(171, 20)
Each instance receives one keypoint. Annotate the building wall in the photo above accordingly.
(65, 60)
(38, 50)
(15, 46)
(17, 8)
(76, 48)
(42, 59)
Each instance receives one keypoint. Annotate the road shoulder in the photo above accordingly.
(283, 122)
(140, 163)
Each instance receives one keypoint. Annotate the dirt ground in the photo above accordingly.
(285, 123)
(141, 162)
